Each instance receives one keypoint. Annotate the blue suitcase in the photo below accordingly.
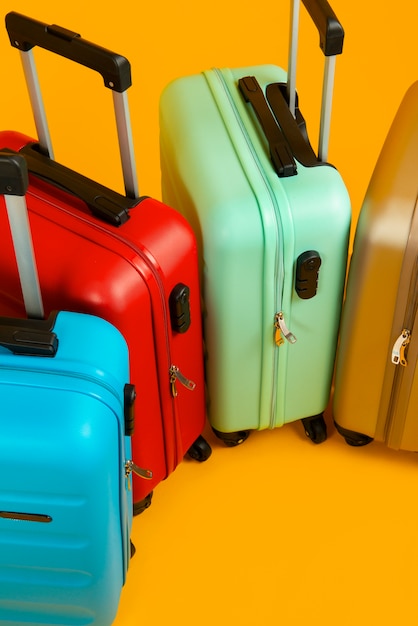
(66, 419)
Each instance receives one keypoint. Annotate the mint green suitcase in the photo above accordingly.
(272, 221)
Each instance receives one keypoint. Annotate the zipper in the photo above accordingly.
(176, 375)
(131, 467)
(401, 344)
(399, 349)
(279, 325)
(282, 330)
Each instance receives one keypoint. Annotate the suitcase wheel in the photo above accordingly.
(354, 438)
(315, 428)
(200, 450)
(232, 439)
(142, 505)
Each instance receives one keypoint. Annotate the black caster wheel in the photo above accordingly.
(200, 450)
(359, 441)
(232, 439)
(142, 505)
(315, 428)
(352, 438)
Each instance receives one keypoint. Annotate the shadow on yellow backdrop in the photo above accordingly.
(276, 531)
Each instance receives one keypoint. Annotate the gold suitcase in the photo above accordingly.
(376, 384)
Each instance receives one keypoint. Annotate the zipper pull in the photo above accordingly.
(176, 375)
(281, 328)
(398, 350)
(130, 467)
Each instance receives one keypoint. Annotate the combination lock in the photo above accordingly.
(307, 273)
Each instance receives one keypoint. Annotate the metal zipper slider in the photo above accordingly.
(130, 467)
(176, 375)
(282, 329)
(398, 350)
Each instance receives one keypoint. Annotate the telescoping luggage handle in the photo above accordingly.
(331, 38)
(25, 33)
(289, 139)
(33, 336)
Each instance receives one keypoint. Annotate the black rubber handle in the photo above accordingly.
(104, 203)
(25, 33)
(29, 337)
(331, 33)
(293, 128)
(280, 155)
(13, 174)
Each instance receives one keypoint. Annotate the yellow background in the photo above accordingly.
(276, 531)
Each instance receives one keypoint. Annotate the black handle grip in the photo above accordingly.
(293, 128)
(281, 157)
(29, 337)
(13, 174)
(331, 32)
(25, 33)
(104, 203)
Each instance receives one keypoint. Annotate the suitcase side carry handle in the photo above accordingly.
(106, 204)
(280, 155)
(287, 142)
(25, 33)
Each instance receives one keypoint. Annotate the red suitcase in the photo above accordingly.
(131, 260)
